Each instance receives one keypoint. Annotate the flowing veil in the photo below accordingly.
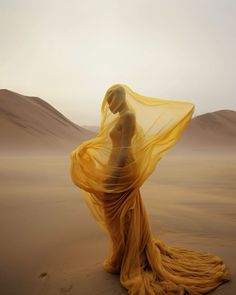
(146, 264)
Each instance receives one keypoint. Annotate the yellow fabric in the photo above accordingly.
(146, 264)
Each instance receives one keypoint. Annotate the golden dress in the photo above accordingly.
(145, 264)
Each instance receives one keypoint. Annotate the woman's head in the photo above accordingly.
(115, 96)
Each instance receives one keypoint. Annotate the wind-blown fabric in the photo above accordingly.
(146, 265)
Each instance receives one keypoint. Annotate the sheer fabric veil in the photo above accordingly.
(146, 264)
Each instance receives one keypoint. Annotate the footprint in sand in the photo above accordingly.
(43, 275)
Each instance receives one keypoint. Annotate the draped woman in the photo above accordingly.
(135, 132)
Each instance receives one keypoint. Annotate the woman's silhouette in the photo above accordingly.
(135, 132)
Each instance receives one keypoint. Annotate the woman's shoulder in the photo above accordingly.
(128, 119)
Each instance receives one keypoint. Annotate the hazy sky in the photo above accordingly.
(70, 52)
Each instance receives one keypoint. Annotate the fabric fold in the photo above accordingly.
(111, 190)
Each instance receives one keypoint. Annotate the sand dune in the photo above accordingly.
(91, 127)
(210, 131)
(30, 124)
(215, 131)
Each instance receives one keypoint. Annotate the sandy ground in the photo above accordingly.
(50, 243)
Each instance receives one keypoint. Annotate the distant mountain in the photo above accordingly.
(210, 131)
(30, 124)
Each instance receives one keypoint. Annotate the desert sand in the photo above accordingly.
(50, 243)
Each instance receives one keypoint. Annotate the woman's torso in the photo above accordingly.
(116, 136)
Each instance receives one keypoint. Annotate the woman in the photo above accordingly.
(135, 132)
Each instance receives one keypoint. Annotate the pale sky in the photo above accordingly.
(70, 52)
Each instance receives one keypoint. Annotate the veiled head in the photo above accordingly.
(115, 97)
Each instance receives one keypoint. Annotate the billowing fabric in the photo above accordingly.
(146, 265)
